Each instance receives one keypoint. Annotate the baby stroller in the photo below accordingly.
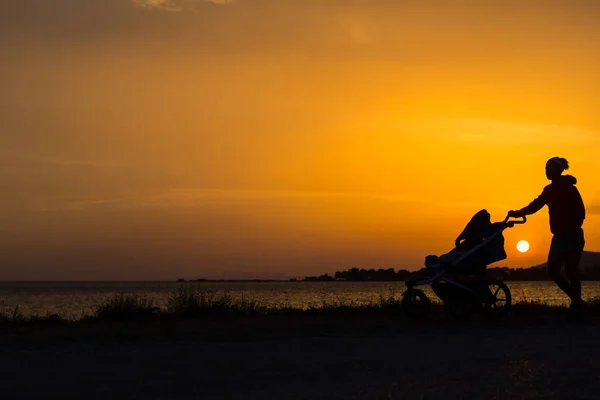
(458, 277)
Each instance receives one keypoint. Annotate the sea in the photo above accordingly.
(73, 300)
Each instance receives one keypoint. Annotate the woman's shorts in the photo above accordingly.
(572, 242)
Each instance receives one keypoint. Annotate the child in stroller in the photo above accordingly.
(458, 277)
(461, 262)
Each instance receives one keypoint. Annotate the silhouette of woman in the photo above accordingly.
(567, 213)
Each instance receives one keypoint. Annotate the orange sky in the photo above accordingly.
(269, 138)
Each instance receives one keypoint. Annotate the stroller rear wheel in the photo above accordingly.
(415, 303)
(498, 299)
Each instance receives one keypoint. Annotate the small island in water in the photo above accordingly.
(590, 271)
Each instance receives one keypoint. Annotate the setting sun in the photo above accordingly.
(523, 246)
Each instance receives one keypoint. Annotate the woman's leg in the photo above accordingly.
(572, 271)
(555, 263)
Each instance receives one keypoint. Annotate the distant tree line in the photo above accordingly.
(355, 274)
(537, 273)
(320, 278)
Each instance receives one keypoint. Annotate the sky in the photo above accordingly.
(153, 139)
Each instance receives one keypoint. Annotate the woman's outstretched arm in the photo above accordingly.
(533, 207)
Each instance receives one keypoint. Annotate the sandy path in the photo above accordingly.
(534, 362)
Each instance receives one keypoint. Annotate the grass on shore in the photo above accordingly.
(190, 303)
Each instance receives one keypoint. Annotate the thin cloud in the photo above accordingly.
(198, 198)
(61, 162)
(507, 132)
(175, 5)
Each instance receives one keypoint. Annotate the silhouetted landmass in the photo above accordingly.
(181, 280)
(355, 274)
(322, 278)
(590, 265)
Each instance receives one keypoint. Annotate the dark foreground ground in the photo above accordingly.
(549, 360)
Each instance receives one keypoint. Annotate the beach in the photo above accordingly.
(551, 359)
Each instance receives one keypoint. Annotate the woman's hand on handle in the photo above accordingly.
(514, 214)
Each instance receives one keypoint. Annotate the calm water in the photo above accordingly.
(75, 299)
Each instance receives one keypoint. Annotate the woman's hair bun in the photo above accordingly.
(565, 163)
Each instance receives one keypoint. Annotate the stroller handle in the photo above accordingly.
(513, 223)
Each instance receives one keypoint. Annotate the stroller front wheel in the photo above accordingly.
(415, 303)
(498, 299)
